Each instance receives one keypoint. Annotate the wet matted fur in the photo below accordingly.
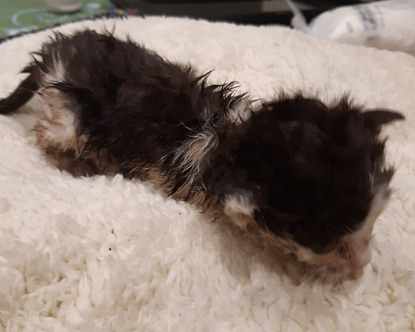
(309, 177)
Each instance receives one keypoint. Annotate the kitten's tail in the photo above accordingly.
(23, 93)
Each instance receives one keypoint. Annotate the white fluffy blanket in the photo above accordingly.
(107, 254)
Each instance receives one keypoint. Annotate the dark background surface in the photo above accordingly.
(238, 11)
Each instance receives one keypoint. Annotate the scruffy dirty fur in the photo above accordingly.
(309, 177)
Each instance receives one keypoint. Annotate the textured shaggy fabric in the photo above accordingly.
(108, 254)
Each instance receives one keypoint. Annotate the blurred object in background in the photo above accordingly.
(237, 11)
(23, 16)
(386, 25)
(63, 6)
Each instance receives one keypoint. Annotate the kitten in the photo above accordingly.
(310, 178)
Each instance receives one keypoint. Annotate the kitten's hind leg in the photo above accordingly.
(70, 161)
(56, 133)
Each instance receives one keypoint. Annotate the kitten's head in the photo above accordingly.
(313, 178)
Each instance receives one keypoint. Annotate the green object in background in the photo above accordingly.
(19, 16)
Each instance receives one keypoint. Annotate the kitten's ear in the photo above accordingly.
(375, 119)
(239, 206)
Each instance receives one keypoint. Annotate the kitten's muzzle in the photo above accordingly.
(358, 252)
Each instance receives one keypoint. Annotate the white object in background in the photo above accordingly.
(384, 24)
(63, 6)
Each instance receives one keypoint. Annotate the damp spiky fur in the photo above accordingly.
(304, 174)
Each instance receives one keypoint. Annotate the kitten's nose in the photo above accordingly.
(356, 248)
(358, 253)
(359, 260)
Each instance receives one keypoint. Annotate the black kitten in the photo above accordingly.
(309, 177)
